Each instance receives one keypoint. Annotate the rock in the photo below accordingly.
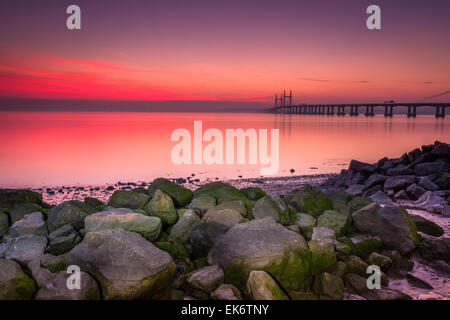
(375, 179)
(339, 199)
(431, 201)
(214, 223)
(180, 195)
(323, 233)
(399, 182)
(95, 203)
(356, 166)
(358, 178)
(4, 224)
(343, 250)
(426, 169)
(323, 255)
(261, 286)
(415, 191)
(56, 288)
(427, 226)
(400, 170)
(357, 266)
(380, 260)
(311, 200)
(434, 249)
(262, 244)
(446, 212)
(418, 282)
(25, 248)
(398, 262)
(306, 223)
(237, 205)
(226, 292)
(339, 269)
(334, 220)
(207, 279)
(62, 244)
(162, 206)
(364, 245)
(61, 232)
(30, 224)
(181, 231)
(358, 285)
(14, 283)
(271, 206)
(443, 181)
(356, 190)
(427, 184)
(148, 227)
(359, 202)
(414, 155)
(128, 199)
(179, 254)
(21, 209)
(328, 286)
(381, 198)
(401, 195)
(11, 197)
(70, 212)
(294, 227)
(440, 265)
(441, 149)
(126, 265)
(391, 223)
(202, 203)
(344, 179)
(254, 193)
(223, 193)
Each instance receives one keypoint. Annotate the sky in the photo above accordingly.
(241, 51)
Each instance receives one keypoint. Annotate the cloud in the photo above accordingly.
(427, 82)
(438, 95)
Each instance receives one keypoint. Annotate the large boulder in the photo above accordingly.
(357, 166)
(125, 264)
(339, 199)
(431, 201)
(70, 212)
(363, 245)
(323, 255)
(263, 244)
(25, 248)
(334, 220)
(305, 223)
(323, 233)
(181, 231)
(311, 200)
(148, 227)
(375, 179)
(427, 226)
(11, 197)
(429, 168)
(271, 206)
(223, 193)
(161, 206)
(14, 283)
(180, 195)
(391, 223)
(4, 224)
(21, 209)
(202, 203)
(207, 279)
(399, 182)
(179, 254)
(30, 224)
(254, 193)
(261, 286)
(381, 198)
(328, 286)
(128, 199)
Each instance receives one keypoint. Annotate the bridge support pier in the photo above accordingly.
(440, 112)
(341, 111)
(369, 111)
(330, 110)
(354, 111)
(388, 111)
(412, 111)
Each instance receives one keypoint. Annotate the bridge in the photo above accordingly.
(340, 109)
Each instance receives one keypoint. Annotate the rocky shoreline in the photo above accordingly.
(310, 238)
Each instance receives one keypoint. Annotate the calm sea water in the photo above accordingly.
(55, 149)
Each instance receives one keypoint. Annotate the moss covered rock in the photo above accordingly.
(11, 197)
(14, 283)
(271, 206)
(328, 286)
(128, 199)
(179, 194)
(179, 254)
(305, 223)
(323, 255)
(311, 200)
(261, 286)
(359, 202)
(161, 206)
(223, 192)
(363, 245)
(181, 231)
(254, 193)
(334, 220)
(70, 212)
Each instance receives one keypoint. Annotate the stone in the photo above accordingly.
(323, 255)
(261, 286)
(4, 224)
(21, 209)
(226, 292)
(254, 193)
(343, 250)
(63, 244)
(401, 195)
(202, 203)
(180, 195)
(357, 266)
(441, 149)
(356, 190)
(400, 170)
(359, 202)
(126, 265)
(10, 197)
(128, 199)
(364, 245)
(14, 283)
(434, 249)
(334, 220)
(399, 182)
(237, 205)
(426, 226)
(311, 200)
(148, 227)
(381, 198)
(95, 203)
(30, 224)
(375, 179)
(61, 232)
(328, 286)
(339, 199)
(271, 206)
(162, 206)
(356, 166)
(358, 178)
(223, 193)
(446, 212)
(431, 201)
(428, 168)
(391, 223)
(70, 212)
(323, 233)
(339, 269)
(179, 253)
(181, 231)
(214, 223)
(427, 184)
(263, 244)
(415, 191)
(207, 279)
(380, 260)
(443, 181)
(358, 285)
(306, 224)
(414, 155)
(302, 295)
(25, 248)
